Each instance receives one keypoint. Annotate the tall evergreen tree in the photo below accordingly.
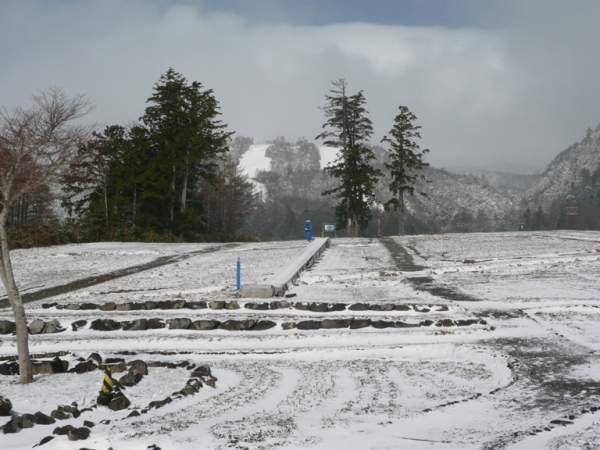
(187, 137)
(406, 160)
(348, 128)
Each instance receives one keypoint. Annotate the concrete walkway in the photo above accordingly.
(287, 276)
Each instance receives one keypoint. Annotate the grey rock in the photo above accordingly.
(123, 307)
(78, 324)
(237, 325)
(335, 323)
(110, 306)
(7, 327)
(165, 304)
(95, 357)
(318, 307)
(136, 325)
(9, 368)
(400, 324)
(308, 325)
(79, 434)
(179, 324)
(179, 304)
(337, 307)
(138, 366)
(130, 379)
(105, 325)
(37, 326)
(382, 324)
(12, 426)
(402, 308)
(359, 307)
(160, 403)
(202, 371)
(155, 323)
(467, 322)
(84, 367)
(45, 440)
(88, 306)
(288, 325)
(70, 409)
(118, 367)
(217, 304)
(53, 327)
(119, 402)
(204, 325)
(262, 325)
(5, 406)
(43, 419)
(257, 306)
(62, 431)
(59, 415)
(360, 323)
(150, 305)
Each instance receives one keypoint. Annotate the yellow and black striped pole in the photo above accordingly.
(107, 384)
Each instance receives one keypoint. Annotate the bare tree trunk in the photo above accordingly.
(401, 214)
(134, 206)
(105, 189)
(8, 279)
(184, 187)
(172, 212)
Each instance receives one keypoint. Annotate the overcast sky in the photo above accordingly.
(506, 82)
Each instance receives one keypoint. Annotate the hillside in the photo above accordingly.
(573, 175)
(292, 176)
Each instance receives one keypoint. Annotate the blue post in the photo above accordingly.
(239, 275)
(307, 230)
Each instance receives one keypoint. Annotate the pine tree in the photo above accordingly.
(406, 160)
(347, 129)
(188, 139)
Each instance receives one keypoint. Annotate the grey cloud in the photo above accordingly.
(513, 93)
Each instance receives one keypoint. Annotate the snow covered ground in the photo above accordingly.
(475, 341)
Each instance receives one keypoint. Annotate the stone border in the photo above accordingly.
(184, 323)
(216, 305)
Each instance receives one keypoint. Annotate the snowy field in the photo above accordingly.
(459, 341)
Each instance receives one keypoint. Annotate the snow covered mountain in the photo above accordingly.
(291, 174)
(574, 175)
